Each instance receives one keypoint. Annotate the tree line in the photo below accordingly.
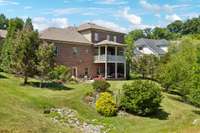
(174, 30)
(23, 53)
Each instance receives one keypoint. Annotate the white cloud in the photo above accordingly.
(64, 11)
(27, 7)
(156, 8)
(112, 2)
(132, 18)
(8, 2)
(42, 23)
(172, 18)
(110, 25)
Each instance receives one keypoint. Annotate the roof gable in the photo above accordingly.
(87, 26)
(69, 34)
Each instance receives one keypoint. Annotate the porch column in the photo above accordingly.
(106, 62)
(99, 52)
(116, 65)
(125, 69)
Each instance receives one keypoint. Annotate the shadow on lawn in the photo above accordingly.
(50, 85)
(196, 112)
(160, 114)
(3, 77)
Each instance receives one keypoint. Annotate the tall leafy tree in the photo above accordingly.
(27, 44)
(175, 27)
(8, 48)
(3, 22)
(133, 36)
(191, 26)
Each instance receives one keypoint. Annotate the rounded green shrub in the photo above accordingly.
(141, 97)
(100, 85)
(105, 105)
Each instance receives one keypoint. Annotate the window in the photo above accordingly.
(140, 48)
(115, 38)
(87, 51)
(75, 50)
(108, 37)
(86, 71)
(56, 51)
(96, 37)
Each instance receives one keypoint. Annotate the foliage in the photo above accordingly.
(175, 27)
(105, 105)
(9, 46)
(146, 65)
(191, 26)
(141, 97)
(129, 58)
(177, 73)
(61, 72)
(25, 58)
(100, 85)
(45, 57)
(133, 36)
(3, 22)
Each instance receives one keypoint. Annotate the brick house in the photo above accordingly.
(89, 50)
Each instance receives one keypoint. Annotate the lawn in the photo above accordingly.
(21, 110)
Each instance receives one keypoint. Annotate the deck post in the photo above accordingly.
(116, 65)
(106, 62)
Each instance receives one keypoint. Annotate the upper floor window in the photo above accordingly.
(56, 51)
(108, 37)
(75, 50)
(96, 36)
(115, 38)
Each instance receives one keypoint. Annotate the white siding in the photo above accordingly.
(164, 48)
(146, 50)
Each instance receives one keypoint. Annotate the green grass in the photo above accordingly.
(21, 110)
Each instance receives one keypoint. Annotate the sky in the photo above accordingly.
(121, 15)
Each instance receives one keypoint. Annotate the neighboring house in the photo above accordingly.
(89, 50)
(151, 46)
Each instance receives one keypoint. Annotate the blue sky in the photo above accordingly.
(122, 15)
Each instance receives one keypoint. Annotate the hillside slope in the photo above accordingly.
(21, 110)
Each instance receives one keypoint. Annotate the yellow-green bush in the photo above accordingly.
(105, 105)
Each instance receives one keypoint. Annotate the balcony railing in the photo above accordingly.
(110, 58)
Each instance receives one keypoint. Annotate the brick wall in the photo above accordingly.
(82, 60)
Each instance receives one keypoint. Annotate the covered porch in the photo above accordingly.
(110, 59)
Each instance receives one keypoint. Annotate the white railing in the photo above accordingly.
(110, 58)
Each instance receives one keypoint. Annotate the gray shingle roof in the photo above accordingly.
(106, 42)
(69, 34)
(3, 33)
(87, 26)
(154, 45)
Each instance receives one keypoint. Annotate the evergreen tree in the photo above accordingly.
(15, 25)
(27, 43)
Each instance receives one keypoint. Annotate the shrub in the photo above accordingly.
(61, 73)
(141, 97)
(105, 105)
(101, 85)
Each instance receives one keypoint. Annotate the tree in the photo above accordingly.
(177, 73)
(3, 22)
(133, 36)
(146, 65)
(45, 56)
(25, 60)
(175, 27)
(7, 54)
(162, 33)
(191, 26)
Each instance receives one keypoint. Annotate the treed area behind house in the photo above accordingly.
(161, 95)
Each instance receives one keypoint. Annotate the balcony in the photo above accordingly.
(110, 59)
